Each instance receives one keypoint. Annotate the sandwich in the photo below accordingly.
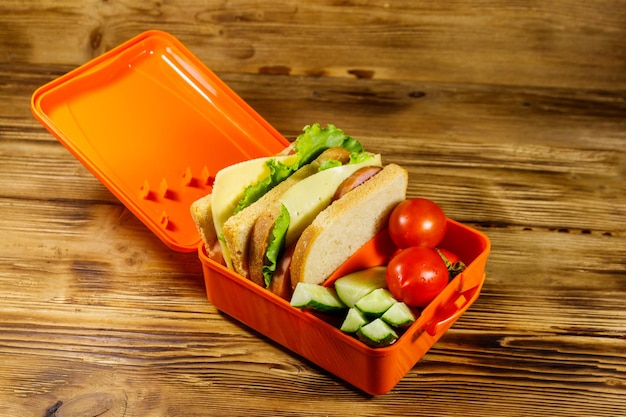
(297, 216)
(240, 186)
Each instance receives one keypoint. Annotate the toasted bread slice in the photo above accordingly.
(346, 225)
(237, 229)
(257, 246)
(203, 218)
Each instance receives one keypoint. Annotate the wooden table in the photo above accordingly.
(512, 116)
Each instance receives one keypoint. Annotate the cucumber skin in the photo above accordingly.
(402, 319)
(352, 287)
(364, 334)
(354, 321)
(316, 297)
(326, 300)
(376, 303)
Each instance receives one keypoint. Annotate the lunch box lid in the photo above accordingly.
(154, 125)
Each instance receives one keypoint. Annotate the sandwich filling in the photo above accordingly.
(301, 203)
(239, 186)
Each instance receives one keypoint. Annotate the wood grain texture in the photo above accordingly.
(511, 115)
(562, 43)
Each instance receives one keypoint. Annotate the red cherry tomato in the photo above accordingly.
(417, 222)
(416, 276)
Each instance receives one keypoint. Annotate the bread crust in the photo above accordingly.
(238, 228)
(202, 216)
(258, 245)
(346, 225)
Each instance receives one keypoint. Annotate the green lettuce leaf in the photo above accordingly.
(278, 173)
(358, 157)
(316, 140)
(313, 141)
(276, 244)
(330, 163)
(355, 158)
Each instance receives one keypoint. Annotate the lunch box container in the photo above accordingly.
(154, 125)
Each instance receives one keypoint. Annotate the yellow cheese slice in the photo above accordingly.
(306, 199)
(229, 186)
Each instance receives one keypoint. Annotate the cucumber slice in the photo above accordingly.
(376, 303)
(352, 287)
(353, 321)
(399, 315)
(316, 297)
(377, 334)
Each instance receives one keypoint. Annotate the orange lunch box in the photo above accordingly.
(154, 125)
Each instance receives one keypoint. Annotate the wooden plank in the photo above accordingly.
(559, 44)
(509, 114)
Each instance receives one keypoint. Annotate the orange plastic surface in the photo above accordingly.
(154, 125)
(373, 370)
